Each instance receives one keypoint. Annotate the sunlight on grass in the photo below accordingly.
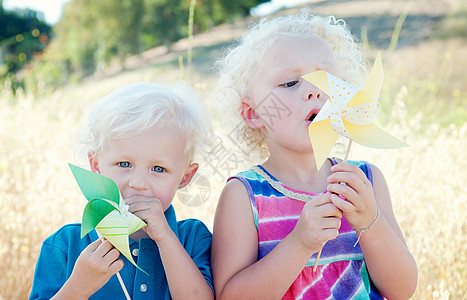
(427, 180)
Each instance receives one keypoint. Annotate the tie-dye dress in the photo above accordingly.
(341, 273)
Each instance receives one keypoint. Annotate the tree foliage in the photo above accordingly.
(93, 34)
(22, 35)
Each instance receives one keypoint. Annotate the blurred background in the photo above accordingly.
(55, 60)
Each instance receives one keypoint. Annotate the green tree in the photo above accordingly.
(22, 34)
(94, 34)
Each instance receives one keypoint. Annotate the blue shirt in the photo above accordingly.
(61, 250)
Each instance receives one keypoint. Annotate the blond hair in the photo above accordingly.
(242, 61)
(138, 106)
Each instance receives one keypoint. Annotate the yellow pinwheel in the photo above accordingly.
(348, 112)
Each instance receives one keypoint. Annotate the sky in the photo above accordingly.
(274, 5)
(50, 8)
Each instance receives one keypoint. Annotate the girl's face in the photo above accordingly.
(150, 164)
(284, 102)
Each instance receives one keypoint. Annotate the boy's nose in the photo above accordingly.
(138, 181)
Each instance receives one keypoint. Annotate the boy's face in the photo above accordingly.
(150, 164)
(283, 100)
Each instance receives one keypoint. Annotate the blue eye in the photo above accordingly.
(158, 169)
(124, 164)
(290, 83)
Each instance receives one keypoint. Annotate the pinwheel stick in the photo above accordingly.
(118, 273)
(315, 266)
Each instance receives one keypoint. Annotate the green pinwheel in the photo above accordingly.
(106, 211)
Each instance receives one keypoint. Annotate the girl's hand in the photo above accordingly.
(359, 204)
(150, 211)
(94, 267)
(318, 223)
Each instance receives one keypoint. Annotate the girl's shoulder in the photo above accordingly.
(248, 174)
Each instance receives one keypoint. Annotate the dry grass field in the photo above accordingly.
(425, 104)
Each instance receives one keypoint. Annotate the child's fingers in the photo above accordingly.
(93, 246)
(346, 167)
(342, 204)
(116, 266)
(103, 248)
(319, 200)
(331, 223)
(346, 191)
(329, 210)
(137, 204)
(329, 234)
(111, 256)
(350, 178)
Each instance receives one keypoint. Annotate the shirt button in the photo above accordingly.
(143, 288)
(135, 252)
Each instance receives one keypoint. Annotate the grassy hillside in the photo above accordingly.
(424, 103)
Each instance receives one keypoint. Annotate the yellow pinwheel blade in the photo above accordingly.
(318, 79)
(116, 228)
(322, 138)
(372, 85)
(373, 136)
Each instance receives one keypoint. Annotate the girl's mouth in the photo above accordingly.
(312, 115)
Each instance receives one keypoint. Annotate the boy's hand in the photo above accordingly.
(359, 205)
(150, 211)
(94, 267)
(318, 223)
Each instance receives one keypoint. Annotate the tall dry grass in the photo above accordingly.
(427, 180)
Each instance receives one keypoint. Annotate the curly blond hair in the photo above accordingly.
(137, 106)
(242, 62)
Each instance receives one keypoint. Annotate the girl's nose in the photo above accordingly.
(313, 93)
(316, 95)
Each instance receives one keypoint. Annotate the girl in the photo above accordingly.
(144, 137)
(273, 219)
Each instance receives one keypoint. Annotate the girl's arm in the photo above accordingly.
(391, 266)
(237, 273)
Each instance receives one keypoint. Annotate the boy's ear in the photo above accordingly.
(189, 173)
(249, 116)
(94, 163)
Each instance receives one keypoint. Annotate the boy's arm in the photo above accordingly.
(93, 268)
(50, 273)
(183, 275)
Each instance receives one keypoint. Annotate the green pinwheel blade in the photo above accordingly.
(94, 212)
(94, 185)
